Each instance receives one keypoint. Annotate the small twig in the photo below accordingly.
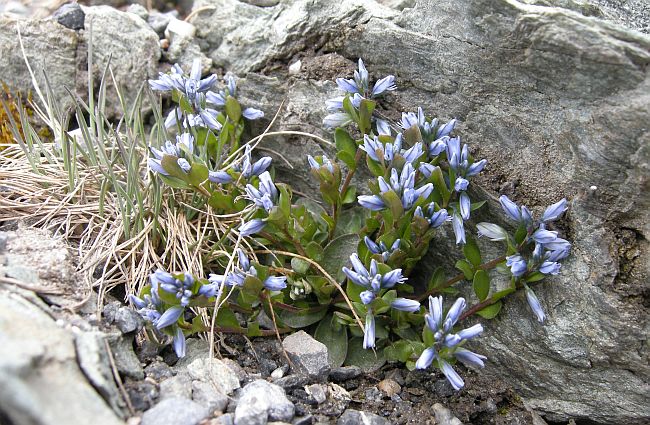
(118, 380)
(277, 333)
(38, 289)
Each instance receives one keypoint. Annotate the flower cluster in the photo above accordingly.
(430, 131)
(403, 185)
(244, 270)
(357, 89)
(375, 283)
(386, 153)
(381, 249)
(446, 344)
(202, 104)
(168, 297)
(264, 197)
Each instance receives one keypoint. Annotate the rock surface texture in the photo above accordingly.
(40, 381)
(555, 100)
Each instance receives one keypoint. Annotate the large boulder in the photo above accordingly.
(558, 103)
(122, 39)
(40, 380)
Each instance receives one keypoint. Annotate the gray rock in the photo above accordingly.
(158, 22)
(126, 361)
(175, 411)
(128, 320)
(47, 44)
(227, 419)
(354, 417)
(158, 371)
(308, 355)
(93, 360)
(131, 45)
(3, 240)
(291, 381)
(70, 15)
(143, 394)
(215, 372)
(344, 373)
(506, 70)
(179, 386)
(261, 401)
(138, 10)
(318, 392)
(243, 37)
(444, 416)
(40, 381)
(207, 395)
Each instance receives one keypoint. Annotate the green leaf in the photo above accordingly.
(337, 254)
(233, 109)
(345, 142)
(198, 174)
(437, 279)
(375, 168)
(347, 158)
(500, 294)
(490, 311)
(413, 135)
(335, 338)
(466, 268)
(481, 284)
(350, 195)
(170, 164)
(314, 251)
(367, 360)
(299, 266)
(302, 319)
(472, 252)
(520, 234)
(351, 220)
(366, 107)
(535, 277)
(174, 182)
(476, 205)
(440, 184)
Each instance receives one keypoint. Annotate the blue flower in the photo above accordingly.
(554, 211)
(179, 343)
(170, 316)
(251, 227)
(275, 283)
(325, 163)
(371, 202)
(459, 159)
(181, 288)
(446, 343)
(404, 304)
(381, 249)
(359, 84)
(220, 177)
(435, 218)
(267, 194)
(403, 186)
(535, 305)
(189, 86)
(184, 146)
(219, 99)
(459, 229)
(371, 278)
(250, 169)
(337, 119)
(517, 264)
(369, 331)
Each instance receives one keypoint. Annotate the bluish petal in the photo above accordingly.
(454, 379)
(275, 283)
(386, 83)
(369, 332)
(426, 358)
(371, 202)
(510, 208)
(459, 229)
(179, 343)
(338, 119)
(348, 86)
(404, 304)
(169, 317)
(470, 358)
(252, 227)
(465, 206)
(155, 165)
(491, 231)
(367, 297)
(219, 177)
(476, 168)
(535, 305)
(372, 246)
(252, 113)
(554, 211)
(454, 312)
(471, 332)
(208, 82)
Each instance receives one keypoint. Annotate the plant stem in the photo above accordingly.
(348, 177)
(477, 307)
(459, 277)
(294, 242)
